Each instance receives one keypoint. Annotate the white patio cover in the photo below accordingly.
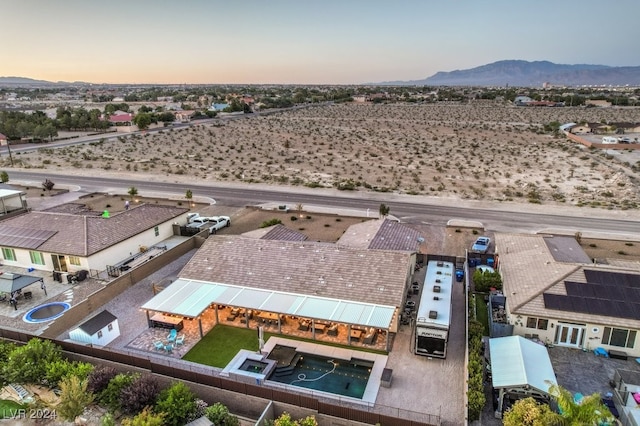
(517, 362)
(190, 298)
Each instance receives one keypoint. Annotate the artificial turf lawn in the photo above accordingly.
(9, 409)
(223, 342)
(482, 314)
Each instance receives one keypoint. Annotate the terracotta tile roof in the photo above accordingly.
(328, 270)
(81, 235)
(381, 234)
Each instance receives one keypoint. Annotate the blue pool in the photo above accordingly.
(337, 376)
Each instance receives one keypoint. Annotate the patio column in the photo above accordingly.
(387, 340)
(215, 309)
(349, 334)
(313, 329)
(148, 318)
(200, 327)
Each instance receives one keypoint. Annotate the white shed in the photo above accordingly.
(99, 330)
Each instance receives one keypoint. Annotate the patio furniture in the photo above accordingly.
(356, 334)
(158, 344)
(303, 325)
(601, 352)
(618, 354)
(180, 340)
(319, 327)
(168, 348)
(333, 330)
(370, 337)
(28, 295)
(172, 335)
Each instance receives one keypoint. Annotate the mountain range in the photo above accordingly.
(530, 74)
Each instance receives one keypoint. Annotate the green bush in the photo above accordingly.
(110, 396)
(73, 397)
(271, 222)
(484, 281)
(219, 414)
(63, 368)
(29, 363)
(177, 403)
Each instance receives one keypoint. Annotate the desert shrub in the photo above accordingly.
(178, 404)
(73, 397)
(475, 232)
(110, 396)
(326, 225)
(294, 218)
(270, 222)
(100, 377)
(139, 394)
(63, 368)
(219, 414)
(308, 217)
(145, 418)
(628, 244)
(28, 363)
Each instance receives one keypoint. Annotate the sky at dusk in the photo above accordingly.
(304, 42)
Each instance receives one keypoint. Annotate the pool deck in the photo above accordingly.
(373, 384)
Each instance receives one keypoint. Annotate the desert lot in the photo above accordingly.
(486, 151)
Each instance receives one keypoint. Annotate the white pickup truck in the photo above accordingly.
(213, 223)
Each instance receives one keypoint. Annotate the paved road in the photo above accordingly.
(495, 216)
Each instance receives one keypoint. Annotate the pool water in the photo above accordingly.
(253, 366)
(337, 376)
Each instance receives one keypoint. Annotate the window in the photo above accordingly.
(157, 230)
(36, 258)
(110, 327)
(99, 334)
(9, 254)
(619, 337)
(74, 260)
(538, 323)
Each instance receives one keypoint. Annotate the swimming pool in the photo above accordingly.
(337, 376)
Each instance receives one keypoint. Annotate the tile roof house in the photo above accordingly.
(304, 267)
(382, 234)
(68, 242)
(276, 232)
(555, 293)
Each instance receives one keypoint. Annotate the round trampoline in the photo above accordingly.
(46, 312)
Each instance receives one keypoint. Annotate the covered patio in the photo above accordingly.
(186, 302)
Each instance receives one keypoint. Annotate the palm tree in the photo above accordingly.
(587, 411)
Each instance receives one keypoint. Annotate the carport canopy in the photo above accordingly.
(190, 298)
(520, 363)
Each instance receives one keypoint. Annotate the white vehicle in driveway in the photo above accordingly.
(218, 222)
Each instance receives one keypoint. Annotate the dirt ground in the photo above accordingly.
(475, 151)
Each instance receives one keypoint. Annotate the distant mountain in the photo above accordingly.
(531, 74)
(30, 82)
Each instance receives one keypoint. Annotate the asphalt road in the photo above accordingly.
(496, 217)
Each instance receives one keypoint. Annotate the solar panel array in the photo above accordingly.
(605, 293)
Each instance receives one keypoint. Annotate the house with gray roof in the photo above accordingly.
(555, 293)
(382, 234)
(81, 240)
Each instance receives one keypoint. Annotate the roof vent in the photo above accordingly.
(438, 280)
(438, 272)
(433, 314)
(436, 298)
(436, 289)
(440, 264)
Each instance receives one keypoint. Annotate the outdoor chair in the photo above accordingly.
(172, 335)
(333, 330)
(159, 345)
(168, 348)
(180, 340)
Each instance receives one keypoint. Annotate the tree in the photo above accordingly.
(299, 208)
(63, 368)
(4, 177)
(178, 404)
(188, 195)
(484, 281)
(219, 415)
(143, 120)
(588, 411)
(28, 363)
(286, 420)
(384, 210)
(110, 396)
(527, 412)
(133, 191)
(73, 397)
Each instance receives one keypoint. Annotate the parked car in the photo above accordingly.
(219, 222)
(481, 245)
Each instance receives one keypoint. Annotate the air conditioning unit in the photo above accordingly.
(433, 314)
(436, 298)
(440, 264)
(436, 289)
(438, 280)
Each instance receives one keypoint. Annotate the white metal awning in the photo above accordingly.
(190, 298)
(517, 362)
